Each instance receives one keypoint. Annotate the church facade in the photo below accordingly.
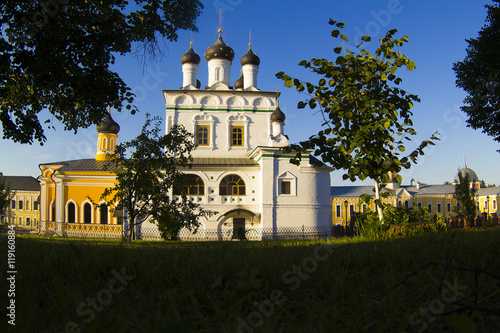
(239, 166)
(239, 169)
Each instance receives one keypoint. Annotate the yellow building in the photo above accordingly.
(24, 201)
(71, 190)
(438, 199)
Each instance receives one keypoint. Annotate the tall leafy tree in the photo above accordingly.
(464, 194)
(56, 55)
(479, 75)
(366, 115)
(146, 168)
(4, 195)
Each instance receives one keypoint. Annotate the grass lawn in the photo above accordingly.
(353, 285)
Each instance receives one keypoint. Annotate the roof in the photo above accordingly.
(22, 183)
(223, 161)
(356, 191)
(88, 164)
(351, 191)
(493, 191)
(431, 189)
(91, 164)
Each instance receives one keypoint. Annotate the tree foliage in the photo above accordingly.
(479, 75)
(57, 56)
(4, 195)
(367, 117)
(464, 194)
(146, 168)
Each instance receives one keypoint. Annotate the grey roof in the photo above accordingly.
(22, 183)
(431, 189)
(88, 164)
(351, 191)
(223, 161)
(356, 191)
(489, 191)
(91, 164)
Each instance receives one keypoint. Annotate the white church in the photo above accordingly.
(239, 170)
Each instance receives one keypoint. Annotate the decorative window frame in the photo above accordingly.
(244, 186)
(109, 217)
(66, 211)
(205, 119)
(82, 212)
(288, 177)
(52, 211)
(237, 120)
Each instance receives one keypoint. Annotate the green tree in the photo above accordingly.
(479, 75)
(464, 194)
(4, 195)
(56, 56)
(367, 117)
(146, 168)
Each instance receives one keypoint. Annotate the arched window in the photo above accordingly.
(53, 211)
(103, 210)
(87, 213)
(406, 204)
(232, 185)
(191, 185)
(71, 212)
(218, 73)
(28, 221)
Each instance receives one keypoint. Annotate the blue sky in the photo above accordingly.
(284, 32)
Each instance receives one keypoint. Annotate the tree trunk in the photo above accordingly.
(378, 203)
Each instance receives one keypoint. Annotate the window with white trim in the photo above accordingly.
(237, 131)
(203, 127)
(287, 184)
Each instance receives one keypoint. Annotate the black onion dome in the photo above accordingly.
(190, 57)
(277, 115)
(239, 83)
(250, 58)
(108, 125)
(219, 50)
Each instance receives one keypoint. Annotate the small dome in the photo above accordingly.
(278, 116)
(190, 57)
(219, 50)
(250, 58)
(108, 125)
(472, 174)
(239, 83)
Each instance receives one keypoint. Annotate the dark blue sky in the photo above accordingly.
(284, 32)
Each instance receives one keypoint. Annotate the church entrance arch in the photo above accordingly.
(237, 223)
